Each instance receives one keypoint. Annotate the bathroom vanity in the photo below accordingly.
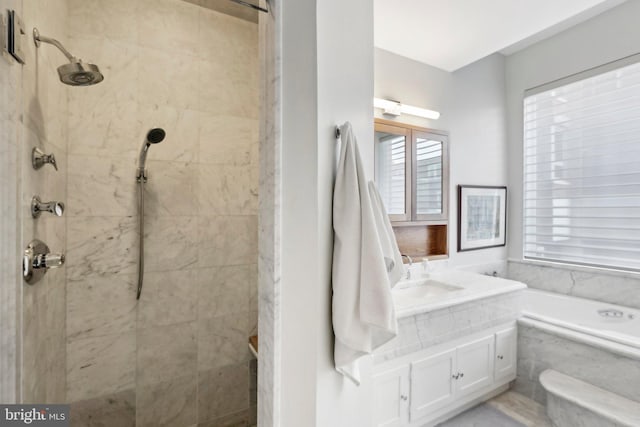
(456, 346)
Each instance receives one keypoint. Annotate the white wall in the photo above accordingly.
(471, 101)
(345, 92)
(327, 79)
(606, 37)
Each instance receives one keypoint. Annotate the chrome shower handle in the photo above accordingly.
(39, 159)
(37, 207)
(37, 260)
(48, 261)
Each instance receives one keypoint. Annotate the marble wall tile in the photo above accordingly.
(118, 409)
(171, 189)
(34, 343)
(169, 243)
(224, 91)
(615, 288)
(178, 349)
(538, 351)
(167, 298)
(97, 366)
(168, 403)
(270, 210)
(167, 79)
(103, 119)
(227, 140)
(98, 306)
(101, 186)
(566, 413)
(155, 16)
(223, 290)
(237, 419)
(101, 246)
(222, 341)
(226, 36)
(228, 240)
(96, 19)
(39, 121)
(253, 301)
(222, 392)
(182, 132)
(227, 190)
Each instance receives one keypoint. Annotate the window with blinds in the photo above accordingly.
(582, 169)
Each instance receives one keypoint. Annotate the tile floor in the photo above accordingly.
(509, 409)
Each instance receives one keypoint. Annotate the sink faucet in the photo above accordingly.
(410, 264)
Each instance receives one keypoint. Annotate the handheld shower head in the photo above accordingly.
(154, 136)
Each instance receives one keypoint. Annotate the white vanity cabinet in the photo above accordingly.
(506, 353)
(425, 386)
(391, 397)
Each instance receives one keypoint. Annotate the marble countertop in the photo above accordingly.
(471, 286)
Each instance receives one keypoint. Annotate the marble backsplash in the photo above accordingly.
(539, 350)
(424, 330)
(612, 287)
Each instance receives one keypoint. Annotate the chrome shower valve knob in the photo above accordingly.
(37, 260)
(37, 207)
(39, 159)
(48, 261)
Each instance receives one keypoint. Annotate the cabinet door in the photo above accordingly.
(506, 353)
(432, 383)
(474, 366)
(391, 397)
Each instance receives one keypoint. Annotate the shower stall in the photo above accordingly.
(178, 355)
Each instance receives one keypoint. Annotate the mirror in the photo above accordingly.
(411, 171)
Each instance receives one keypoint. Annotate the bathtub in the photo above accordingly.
(584, 320)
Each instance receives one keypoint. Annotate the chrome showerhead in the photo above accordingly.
(76, 72)
(80, 74)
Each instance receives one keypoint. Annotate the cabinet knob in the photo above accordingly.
(461, 375)
(500, 357)
(456, 376)
(403, 397)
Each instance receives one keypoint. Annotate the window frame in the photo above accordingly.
(555, 84)
(412, 133)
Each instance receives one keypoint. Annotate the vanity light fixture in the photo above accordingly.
(394, 108)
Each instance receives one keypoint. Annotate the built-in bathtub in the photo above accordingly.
(610, 322)
(595, 342)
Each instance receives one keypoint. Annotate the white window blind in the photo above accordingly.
(390, 171)
(582, 171)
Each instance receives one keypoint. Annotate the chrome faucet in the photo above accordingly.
(410, 264)
(37, 207)
(39, 159)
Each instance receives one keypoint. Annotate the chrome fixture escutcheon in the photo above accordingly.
(39, 158)
(37, 260)
(37, 207)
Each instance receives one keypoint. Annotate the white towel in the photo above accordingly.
(363, 312)
(392, 256)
